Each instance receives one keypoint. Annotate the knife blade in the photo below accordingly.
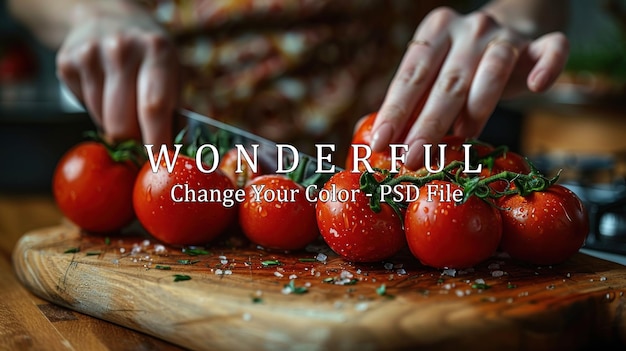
(272, 157)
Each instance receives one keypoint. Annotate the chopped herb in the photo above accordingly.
(270, 263)
(511, 286)
(439, 281)
(307, 260)
(181, 277)
(71, 250)
(481, 286)
(382, 291)
(196, 252)
(107, 241)
(188, 261)
(93, 253)
(162, 267)
(256, 299)
(298, 290)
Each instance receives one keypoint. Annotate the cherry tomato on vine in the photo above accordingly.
(446, 234)
(276, 213)
(544, 227)
(94, 191)
(351, 228)
(508, 161)
(228, 165)
(363, 136)
(177, 207)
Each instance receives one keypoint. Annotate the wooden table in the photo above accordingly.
(30, 323)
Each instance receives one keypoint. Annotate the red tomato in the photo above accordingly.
(544, 227)
(509, 161)
(94, 191)
(177, 208)
(456, 152)
(363, 136)
(445, 234)
(276, 214)
(351, 228)
(228, 165)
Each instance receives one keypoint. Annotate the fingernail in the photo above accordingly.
(413, 157)
(539, 81)
(381, 137)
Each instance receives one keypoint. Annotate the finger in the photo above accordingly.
(489, 82)
(69, 75)
(445, 101)
(414, 76)
(157, 87)
(119, 108)
(92, 81)
(552, 51)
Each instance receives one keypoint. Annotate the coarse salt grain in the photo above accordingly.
(321, 257)
(449, 272)
(247, 317)
(293, 276)
(493, 266)
(388, 266)
(158, 248)
(497, 274)
(459, 293)
(602, 279)
(361, 306)
(278, 274)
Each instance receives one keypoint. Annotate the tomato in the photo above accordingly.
(351, 228)
(455, 151)
(363, 136)
(508, 161)
(94, 191)
(445, 234)
(276, 213)
(545, 227)
(228, 165)
(186, 206)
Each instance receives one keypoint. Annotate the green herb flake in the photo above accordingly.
(188, 261)
(270, 263)
(511, 286)
(93, 253)
(181, 277)
(162, 267)
(307, 260)
(381, 290)
(298, 290)
(257, 299)
(196, 252)
(481, 286)
(71, 250)
(107, 241)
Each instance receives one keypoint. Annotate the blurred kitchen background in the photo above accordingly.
(579, 126)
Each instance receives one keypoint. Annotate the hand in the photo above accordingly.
(454, 73)
(123, 66)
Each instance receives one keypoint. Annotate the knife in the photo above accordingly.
(272, 157)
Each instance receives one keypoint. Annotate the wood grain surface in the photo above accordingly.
(236, 298)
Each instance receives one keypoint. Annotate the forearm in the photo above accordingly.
(530, 17)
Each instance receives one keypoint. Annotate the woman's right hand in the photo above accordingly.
(123, 66)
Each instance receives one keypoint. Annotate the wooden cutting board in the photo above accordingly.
(236, 298)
